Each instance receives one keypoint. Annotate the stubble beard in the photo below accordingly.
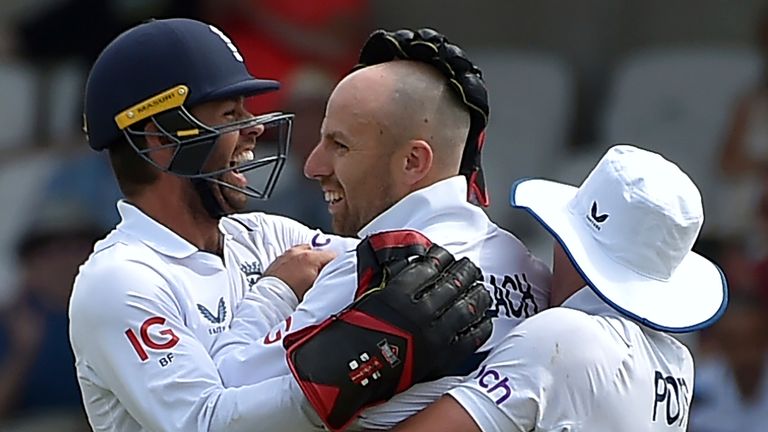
(231, 199)
(349, 223)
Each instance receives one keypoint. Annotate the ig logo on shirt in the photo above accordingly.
(152, 342)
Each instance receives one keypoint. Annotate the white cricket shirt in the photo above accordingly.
(581, 367)
(518, 282)
(146, 307)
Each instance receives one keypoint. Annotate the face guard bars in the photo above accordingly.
(193, 142)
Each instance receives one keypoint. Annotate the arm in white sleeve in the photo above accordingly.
(245, 357)
(275, 405)
(294, 233)
(540, 375)
(484, 414)
(505, 394)
(269, 302)
(500, 397)
(280, 233)
(128, 328)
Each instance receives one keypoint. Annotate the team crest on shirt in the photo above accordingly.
(219, 318)
(252, 272)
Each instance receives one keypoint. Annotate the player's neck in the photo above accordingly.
(189, 222)
(433, 176)
(566, 280)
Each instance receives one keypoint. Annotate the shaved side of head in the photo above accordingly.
(425, 108)
(415, 103)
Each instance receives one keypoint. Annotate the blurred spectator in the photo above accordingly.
(278, 37)
(295, 195)
(730, 253)
(79, 29)
(85, 177)
(731, 388)
(744, 158)
(761, 234)
(37, 377)
(63, 37)
(11, 11)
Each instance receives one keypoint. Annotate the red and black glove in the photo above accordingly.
(463, 76)
(419, 315)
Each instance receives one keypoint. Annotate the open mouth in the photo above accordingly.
(333, 198)
(240, 159)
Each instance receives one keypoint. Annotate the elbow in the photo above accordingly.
(234, 366)
(218, 414)
(224, 366)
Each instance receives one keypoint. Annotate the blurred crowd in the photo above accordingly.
(703, 104)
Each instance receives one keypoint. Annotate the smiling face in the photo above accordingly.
(355, 160)
(231, 149)
(389, 130)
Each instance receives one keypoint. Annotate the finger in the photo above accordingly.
(481, 299)
(301, 247)
(322, 257)
(466, 272)
(440, 256)
(465, 343)
(414, 278)
(415, 274)
(466, 311)
(468, 340)
(451, 284)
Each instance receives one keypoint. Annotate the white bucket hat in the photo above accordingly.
(629, 230)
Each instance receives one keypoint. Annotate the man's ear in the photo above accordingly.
(151, 138)
(161, 156)
(418, 161)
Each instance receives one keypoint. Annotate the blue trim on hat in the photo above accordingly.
(628, 314)
(513, 189)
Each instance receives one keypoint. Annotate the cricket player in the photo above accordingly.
(400, 137)
(166, 100)
(604, 361)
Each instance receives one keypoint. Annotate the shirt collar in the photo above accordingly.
(410, 211)
(138, 225)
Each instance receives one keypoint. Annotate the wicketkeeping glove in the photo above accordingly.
(420, 314)
(464, 78)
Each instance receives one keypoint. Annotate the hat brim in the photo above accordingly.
(694, 297)
(245, 88)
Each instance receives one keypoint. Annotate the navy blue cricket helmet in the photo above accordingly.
(155, 72)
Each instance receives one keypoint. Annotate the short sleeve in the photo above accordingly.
(528, 380)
